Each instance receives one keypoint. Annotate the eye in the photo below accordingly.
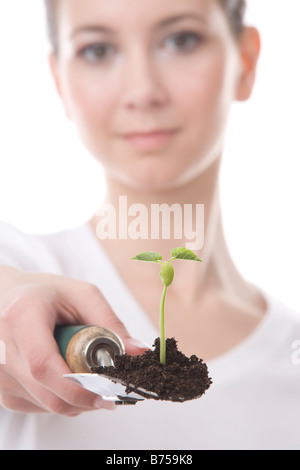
(183, 41)
(97, 52)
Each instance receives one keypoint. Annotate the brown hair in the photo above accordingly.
(51, 7)
(234, 9)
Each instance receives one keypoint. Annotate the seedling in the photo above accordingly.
(167, 276)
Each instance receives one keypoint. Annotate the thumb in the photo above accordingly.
(90, 307)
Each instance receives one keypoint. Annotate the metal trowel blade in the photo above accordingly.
(108, 388)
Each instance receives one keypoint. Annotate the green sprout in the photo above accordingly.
(167, 276)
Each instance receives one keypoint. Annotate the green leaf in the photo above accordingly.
(184, 253)
(151, 256)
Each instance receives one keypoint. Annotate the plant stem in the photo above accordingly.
(162, 327)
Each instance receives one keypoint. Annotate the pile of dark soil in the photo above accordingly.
(181, 379)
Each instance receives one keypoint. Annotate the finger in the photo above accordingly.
(12, 403)
(17, 383)
(11, 388)
(92, 308)
(43, 366)
(11, 376)
(68, 399)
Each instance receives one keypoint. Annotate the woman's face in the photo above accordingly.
(148, 84)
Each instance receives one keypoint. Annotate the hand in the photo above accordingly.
(31, 305)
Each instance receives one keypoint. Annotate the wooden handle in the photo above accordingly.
(78, 345)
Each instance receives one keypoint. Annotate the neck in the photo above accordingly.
(166, 219)
(221, 305)
(217, 271)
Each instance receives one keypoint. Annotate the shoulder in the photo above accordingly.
(284, 332)
(16, 247)
(284, 312)
(33, 251)
(283, 320)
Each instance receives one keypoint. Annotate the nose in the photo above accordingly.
(143, 86)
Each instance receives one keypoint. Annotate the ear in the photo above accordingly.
(249, 47)
(54, 68)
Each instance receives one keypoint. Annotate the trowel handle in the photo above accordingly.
(84, 346)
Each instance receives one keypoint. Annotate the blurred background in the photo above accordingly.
(48, 182)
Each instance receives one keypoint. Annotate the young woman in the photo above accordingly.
(149, 86)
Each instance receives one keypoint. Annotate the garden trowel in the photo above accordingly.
(85, 347)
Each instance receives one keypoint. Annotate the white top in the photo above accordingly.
(254, 402)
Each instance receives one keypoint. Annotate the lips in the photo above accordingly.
(149, 140)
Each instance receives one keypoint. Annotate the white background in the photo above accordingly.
(48, 182)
